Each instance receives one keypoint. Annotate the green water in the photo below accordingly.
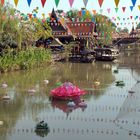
(111, 113)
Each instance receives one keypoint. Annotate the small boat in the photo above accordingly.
(116, 71)
(84, 56)
(1, 123)
(41, 126)
(6, 97)
(67, 91)
(106, 54)
(131, 91)
(96, 83)
(31, 91)
(82, 104)
(46, 81)
(120, 83)
(4, 85)
(71, 104)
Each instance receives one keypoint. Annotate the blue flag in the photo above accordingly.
(133, 2)
(29, 2)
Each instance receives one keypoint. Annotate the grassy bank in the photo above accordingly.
(12, 60)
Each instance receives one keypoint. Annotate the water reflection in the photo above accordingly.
(104, 102)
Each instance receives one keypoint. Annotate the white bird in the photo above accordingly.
(46, 81)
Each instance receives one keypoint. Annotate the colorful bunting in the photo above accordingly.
(16, 2)
(2, 2)
(100, 2)
(71, 2)
(83, 12)
(117, 2)
(29, 2)
(131, 8)
(133, 2)
(123, 8)
(43, 2)
(85, 2)
(57, 2)
(139, 7)
(116, 9)
(108, 10)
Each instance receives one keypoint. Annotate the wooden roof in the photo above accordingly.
(82, 29)
(71, 29)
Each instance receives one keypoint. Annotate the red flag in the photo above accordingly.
(100, 2)
(2, 2)
(43, 2)
(123, 8)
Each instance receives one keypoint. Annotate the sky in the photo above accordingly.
(91, 5)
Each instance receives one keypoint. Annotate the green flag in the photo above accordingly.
(57, 2)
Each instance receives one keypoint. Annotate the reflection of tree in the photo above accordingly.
(82, 75)
(129, 59)
(9, 114)
(42, 133)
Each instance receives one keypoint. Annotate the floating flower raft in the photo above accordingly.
(67, 91)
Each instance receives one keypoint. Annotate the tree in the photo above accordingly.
(104, 27)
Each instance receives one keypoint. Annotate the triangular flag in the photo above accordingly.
(131, 8)
(133, 2)
(2, 2)
(16, 2)
(117, 2)
(123, 8)
(108, 10)
(139, 7)
(100, 2)
(57, 2)
(71, 2)
(131, 17)
(43, 2)
(29, 2)
(85, 2)
(116, 9)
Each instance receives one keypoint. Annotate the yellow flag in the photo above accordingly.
(139, 7)
(16, 2)
(117, 2)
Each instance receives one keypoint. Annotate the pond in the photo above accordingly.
(112, 112)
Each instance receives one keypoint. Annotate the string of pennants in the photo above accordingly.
(85, 2)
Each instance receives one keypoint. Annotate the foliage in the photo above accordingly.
(9, 31)
(13, 60)
(124, 30)
(104, 27)
(21, 32)
(74, 14)
(138, 26)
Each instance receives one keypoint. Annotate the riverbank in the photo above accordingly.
(12, 60)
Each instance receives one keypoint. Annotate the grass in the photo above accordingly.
(25, 59)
